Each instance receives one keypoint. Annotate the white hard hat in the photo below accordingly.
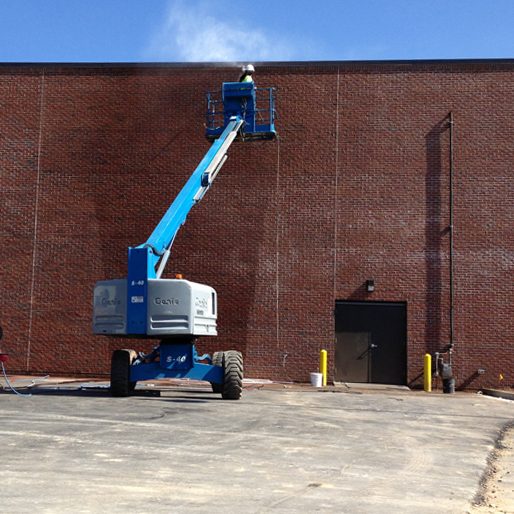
(248, 68)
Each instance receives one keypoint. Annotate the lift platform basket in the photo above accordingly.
(256, 106)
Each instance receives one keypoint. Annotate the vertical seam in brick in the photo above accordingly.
(336, 185)
(34, 241)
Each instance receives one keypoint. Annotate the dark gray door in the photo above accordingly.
(371, 342)
(354, 363)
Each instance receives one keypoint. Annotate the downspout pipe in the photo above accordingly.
(451, 234)
(444, 369)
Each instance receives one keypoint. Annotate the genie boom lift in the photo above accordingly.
(177, 311)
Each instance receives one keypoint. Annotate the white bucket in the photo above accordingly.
(317, 379)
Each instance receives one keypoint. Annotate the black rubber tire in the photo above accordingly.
(233, 375)
(120, 372)
(217, 360)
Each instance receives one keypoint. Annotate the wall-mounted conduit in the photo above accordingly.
(451, 263)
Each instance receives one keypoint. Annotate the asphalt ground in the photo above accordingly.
(176, 448)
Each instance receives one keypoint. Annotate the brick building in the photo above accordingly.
(356, 189)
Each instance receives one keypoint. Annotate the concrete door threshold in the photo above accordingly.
(365, 385)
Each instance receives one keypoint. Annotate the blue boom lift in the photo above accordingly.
(178, 311)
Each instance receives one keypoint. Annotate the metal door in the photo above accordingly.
(354, 363)
(371, 342)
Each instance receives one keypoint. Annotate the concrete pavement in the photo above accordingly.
(75, 449)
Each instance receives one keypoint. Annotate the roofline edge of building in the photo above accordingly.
(269, 64)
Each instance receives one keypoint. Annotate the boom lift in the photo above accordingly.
(177, 311)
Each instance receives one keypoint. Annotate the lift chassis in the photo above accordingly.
(176, 311)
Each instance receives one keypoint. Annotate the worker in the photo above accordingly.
(247, 72)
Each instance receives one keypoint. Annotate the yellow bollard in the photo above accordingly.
(323, 365)
(428, 373)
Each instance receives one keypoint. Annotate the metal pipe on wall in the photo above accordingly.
(452, 342)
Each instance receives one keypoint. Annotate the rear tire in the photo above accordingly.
(233, 375)
(217, 360)
(120, 372)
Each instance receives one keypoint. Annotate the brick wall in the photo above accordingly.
(356, 187)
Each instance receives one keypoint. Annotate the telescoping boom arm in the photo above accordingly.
(160, 241)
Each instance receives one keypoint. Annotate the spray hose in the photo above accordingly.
(11, 387)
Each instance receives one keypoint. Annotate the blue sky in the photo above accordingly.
(263, 30)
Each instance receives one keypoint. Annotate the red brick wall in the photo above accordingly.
(356, 187)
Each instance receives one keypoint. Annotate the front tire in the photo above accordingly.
(233, 375)
(120, 372)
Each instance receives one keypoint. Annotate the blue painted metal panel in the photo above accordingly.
(154, 371)
(176, 356)
(239, 100)
(139, 270)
